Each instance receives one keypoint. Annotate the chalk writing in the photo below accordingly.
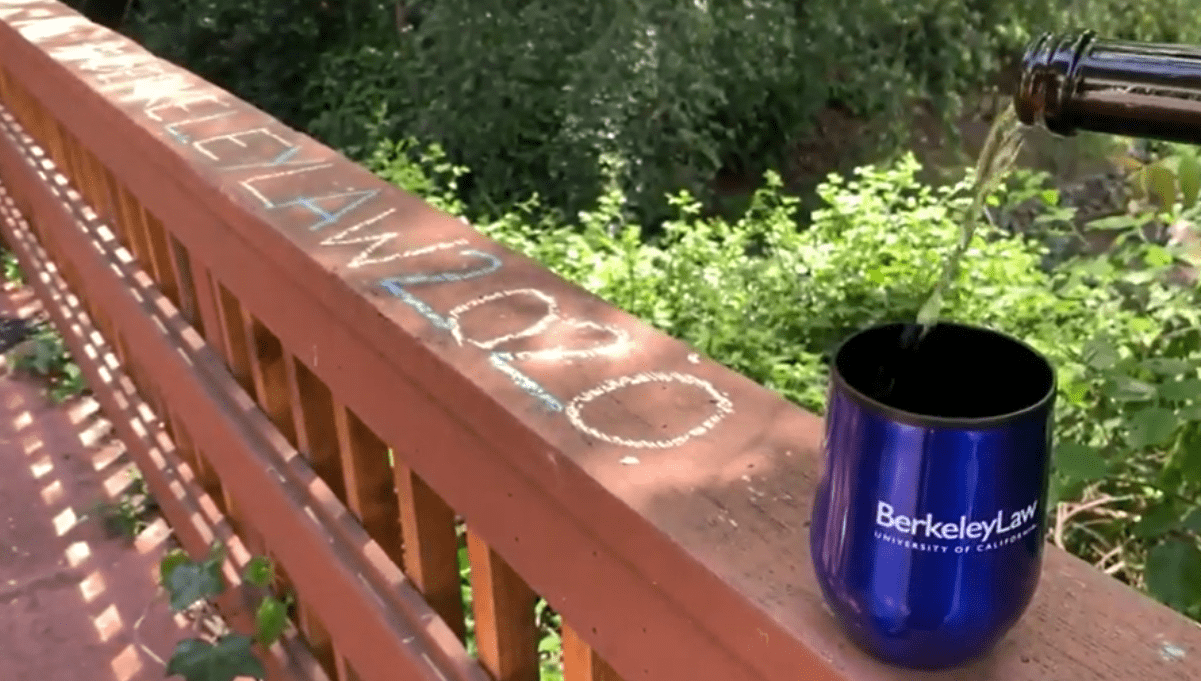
(722, 408)
(619, 342)
(543, 322)
(502, 361)
(174, 103)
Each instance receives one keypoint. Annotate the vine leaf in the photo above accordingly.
(1151, 426)
(1183, 389)
(259, 572)
(1189, 176)
(1174, 574)
(1079, 462)
(170, 561)
(270, 620)
(232, 657)
(189, 582)
(1158, 521)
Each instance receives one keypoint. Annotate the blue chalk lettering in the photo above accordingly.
(417, 304)
(281, 159)
(184, 139)
(501, 360)
(493, 264)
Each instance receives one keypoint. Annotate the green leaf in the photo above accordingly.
(1184, 389)
(191, 582)
(1189, 176)
(1168, 366)
(1160, 182)
(259, 571)
(270, 620)
(1151, 426)
(1126, 389)
(1079, 462)
(1157, 256)
(1174, 573)
(1192, 521)
(232, 657)
(1100, 354)
(1159, 520)
(168, 564)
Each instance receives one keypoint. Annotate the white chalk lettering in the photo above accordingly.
(722, 407)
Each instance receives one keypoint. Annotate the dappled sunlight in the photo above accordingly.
(64, 521)
(52, 493)
(108, 623)
(92, 586)
(77, 553)
(127, 664)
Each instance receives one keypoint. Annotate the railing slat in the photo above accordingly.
(233, 337)
(431, 545)
(505, 632)
(370, 492)
(580, 661)
(267, 371)
(160, 257)
(316, 431)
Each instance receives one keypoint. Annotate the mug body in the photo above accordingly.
(929, 519)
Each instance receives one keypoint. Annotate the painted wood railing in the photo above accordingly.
(309, 363)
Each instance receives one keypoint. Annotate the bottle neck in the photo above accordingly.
(1124, 88)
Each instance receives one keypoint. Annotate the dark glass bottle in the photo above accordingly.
(1146, 90)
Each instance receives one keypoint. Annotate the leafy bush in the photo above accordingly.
(770, 301)
(264, 51)
(45, 354)
(533, 95)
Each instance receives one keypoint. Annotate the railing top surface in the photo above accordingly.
(695, 478)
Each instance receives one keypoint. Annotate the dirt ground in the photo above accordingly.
(77, 601)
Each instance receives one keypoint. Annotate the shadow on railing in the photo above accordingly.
(309, 363)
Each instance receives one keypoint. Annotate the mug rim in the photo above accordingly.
(929, 420)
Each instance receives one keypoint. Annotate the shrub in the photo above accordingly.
(770, 301)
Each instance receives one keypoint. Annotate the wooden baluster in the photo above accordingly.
(316, 430)
(229, 312)
(580, 661)
(93, 190)
(317, 440)
(345, 671)
(117, 220)
(431, 546)
(505, 631)
(181, 266)
(266, 359)
(160, 257)
(233, 337)
(129, 210)
(370, 490)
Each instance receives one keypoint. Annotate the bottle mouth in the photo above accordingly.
(1049, 77)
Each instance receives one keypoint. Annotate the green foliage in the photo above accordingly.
(533, 95)
(229, 658)
(770, 300)
(129, 514)
(12, 268)
(44, 354)
(264, 51)
(227, 655)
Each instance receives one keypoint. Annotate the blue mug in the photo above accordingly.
(929, 519)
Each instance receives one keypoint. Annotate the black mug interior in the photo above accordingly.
(955, 371)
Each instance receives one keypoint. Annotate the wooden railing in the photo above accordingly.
(309, 363)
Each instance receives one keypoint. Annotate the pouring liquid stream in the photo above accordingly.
(900, 378)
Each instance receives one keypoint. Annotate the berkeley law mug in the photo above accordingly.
(929, 519)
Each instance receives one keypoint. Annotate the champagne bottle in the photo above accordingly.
(1132, 89)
